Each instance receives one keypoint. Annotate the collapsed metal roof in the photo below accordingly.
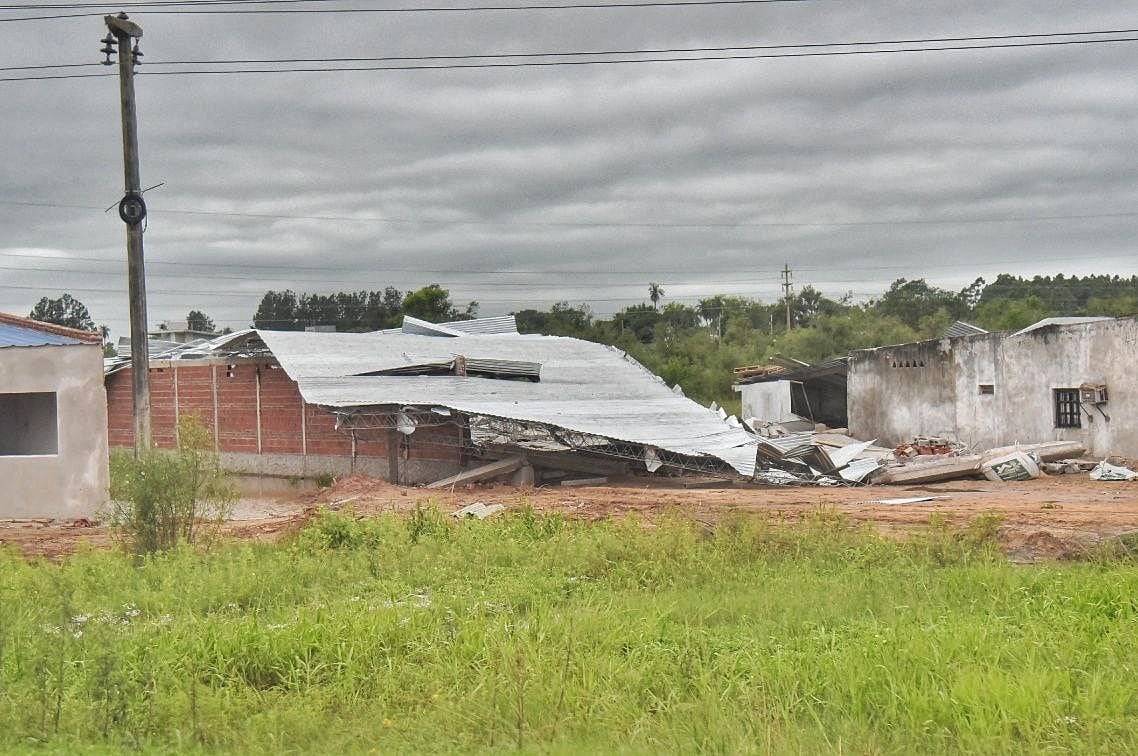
(584, 387)
(1061, 321)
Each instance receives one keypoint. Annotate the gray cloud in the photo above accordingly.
(520, 187)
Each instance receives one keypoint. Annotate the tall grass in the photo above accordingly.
(543, 635)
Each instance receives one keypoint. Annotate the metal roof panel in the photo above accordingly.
(21, 336)
(585, 387)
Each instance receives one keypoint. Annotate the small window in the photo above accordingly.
(1067, 408)
(28, 424)
(987, 389)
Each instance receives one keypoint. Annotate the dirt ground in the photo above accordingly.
(1047, 518)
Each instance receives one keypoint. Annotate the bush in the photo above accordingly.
(161, 498)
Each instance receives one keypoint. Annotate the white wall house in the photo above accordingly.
(1063, 379)
(53, 420)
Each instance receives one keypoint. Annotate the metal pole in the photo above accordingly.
(133, 212)
(786, 286)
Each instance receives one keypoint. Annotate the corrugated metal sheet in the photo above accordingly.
(504, 324)
(835, 369)
(20, 336)
(1063, 321)
(585, 387)
(239, 343)
(960, 328)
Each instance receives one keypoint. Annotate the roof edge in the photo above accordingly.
(87, 337)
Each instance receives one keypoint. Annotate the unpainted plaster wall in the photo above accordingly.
(73, 482)
(943, 397)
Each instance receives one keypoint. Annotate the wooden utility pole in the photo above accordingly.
(132, 210)
(786, 288)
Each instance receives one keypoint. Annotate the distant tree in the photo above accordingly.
(383, 308)
(639, 320)
(910, 301)
(970, 294)
(108, 348)
(432, 303)
(64, 311)
(562, 319)
(199, 321)
(679, 316)
(1011, 314)
(809, 304)
(278, 312)
(655, 293)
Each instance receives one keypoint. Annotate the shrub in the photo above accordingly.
(161, 498)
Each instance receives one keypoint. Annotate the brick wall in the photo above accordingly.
(287, 424)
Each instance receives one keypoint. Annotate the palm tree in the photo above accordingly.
(655, 293)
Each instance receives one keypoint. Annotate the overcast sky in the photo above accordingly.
(522, 186)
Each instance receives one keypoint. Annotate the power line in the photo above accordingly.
(653, 51)
(598, 224)
(192, 10)
(761, 276)
(586, 53)
(560, 63)
(156, 4)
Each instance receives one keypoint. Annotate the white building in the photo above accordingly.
(1062, 379)
(53, 420)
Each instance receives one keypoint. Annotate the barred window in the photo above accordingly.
(1067, 408)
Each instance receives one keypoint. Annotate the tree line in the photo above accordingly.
(697, 345)
(357, 310)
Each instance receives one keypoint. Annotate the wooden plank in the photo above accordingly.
(492, 470)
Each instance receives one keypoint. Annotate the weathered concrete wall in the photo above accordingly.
(895, 393)
(894, 404)
(73, 481)
(262, 426)
(766, 401)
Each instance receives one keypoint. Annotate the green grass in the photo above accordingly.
(551, 636)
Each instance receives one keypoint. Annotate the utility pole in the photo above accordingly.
(132, 210)
(786, 288)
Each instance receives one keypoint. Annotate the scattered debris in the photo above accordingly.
(485, 472)
(907, 500)
(923, 446)
(1106, 471)
(478, 510)
(1066, 467)
(1045, 452)
(585, 482)
(1007, 467)
(935, 469)
(691, 483)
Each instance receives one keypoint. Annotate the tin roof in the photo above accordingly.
(16, 331)
(960, 328)
(585, 387)
(1061, 321)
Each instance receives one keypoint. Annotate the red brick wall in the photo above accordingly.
(281, 408)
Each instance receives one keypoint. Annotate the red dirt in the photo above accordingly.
(1047, 518)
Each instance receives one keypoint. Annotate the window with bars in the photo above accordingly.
(1067, 408)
